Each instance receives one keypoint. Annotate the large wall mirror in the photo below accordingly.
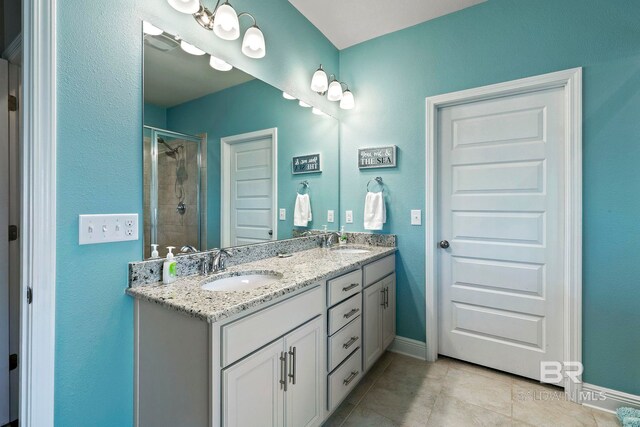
(219, 149)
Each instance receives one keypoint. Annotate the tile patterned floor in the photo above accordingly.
(402, 391)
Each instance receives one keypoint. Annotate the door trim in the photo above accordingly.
(225, 179)
(38, 217)
(571, 82)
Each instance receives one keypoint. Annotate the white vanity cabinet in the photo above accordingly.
(379, 309)
(279, 385)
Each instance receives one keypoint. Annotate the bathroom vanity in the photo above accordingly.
(285, 353)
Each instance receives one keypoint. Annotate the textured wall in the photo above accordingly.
(497, 41)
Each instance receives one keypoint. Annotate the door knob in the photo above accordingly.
(444, 244)
(270, 232)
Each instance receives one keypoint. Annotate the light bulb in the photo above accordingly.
(149, 28)
(225, 22)
(318, 112)
(319, 81)
(253, 43)
(189, 48)
(303, 104)
(334, 93)
(347, 102)
(285, 95)
(219, 64)
(185, 6)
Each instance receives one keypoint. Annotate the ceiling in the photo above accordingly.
(172, 76)
(349, 22)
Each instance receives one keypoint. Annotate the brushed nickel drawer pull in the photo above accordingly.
(292, 365)
(351, 377)
(351, 313)
(283, 371)
(350, 342)
(351, 286)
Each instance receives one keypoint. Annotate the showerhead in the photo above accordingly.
(171, 152)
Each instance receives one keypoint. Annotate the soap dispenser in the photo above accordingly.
(154, 251)
(169, 273)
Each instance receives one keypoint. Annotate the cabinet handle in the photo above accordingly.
(351, 313)
(384, 298)
(292, 365)
(351, 286)
(350, 342)
(351, 377)
(283, 371)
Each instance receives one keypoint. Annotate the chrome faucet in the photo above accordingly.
(219, 261)
(188, 249)
(327, 239)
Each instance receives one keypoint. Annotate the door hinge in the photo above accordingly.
(13, 103)
(29, 295)
(13, 361)
(13, 233)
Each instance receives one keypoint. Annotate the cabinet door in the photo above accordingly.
(389, 311)
(305, 385)
(252, 392)
(372, 323)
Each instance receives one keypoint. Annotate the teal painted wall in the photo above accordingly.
(254, 106)
(493, 42)
(99, 159)
(155, 116)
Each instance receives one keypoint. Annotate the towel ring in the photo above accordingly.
(303, 185)
(376, 179)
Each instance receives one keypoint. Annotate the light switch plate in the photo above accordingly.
(349, 217)
(107, 228)
(283, 214)
(416, 217)
(330, 216)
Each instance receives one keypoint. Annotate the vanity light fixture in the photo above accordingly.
(189, 48)
(219, 64)
(320, 81)
(285, 95)
(149, 28)
(347, 102)
(319, 112)
(334, 93)
(224, 21)
(303, 104)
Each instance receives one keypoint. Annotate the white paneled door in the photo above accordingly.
(4, 243)
(501, 208)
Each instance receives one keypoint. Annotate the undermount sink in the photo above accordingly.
(241, 282)
(351, 250)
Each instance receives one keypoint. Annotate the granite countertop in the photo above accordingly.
(298, 271)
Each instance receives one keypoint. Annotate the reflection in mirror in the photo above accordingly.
(219, 150)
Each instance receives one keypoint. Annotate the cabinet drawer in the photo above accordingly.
(245, 335)
(343, 287)
(344, 313)
(344, 379)
(379, 269)
(343, 342)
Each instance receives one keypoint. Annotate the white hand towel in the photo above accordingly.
(375, 211)
(302, 211)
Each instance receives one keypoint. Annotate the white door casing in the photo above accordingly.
(249, 188)
(4, 243)
(476, 237)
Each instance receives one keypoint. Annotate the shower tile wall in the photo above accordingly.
(175, 229)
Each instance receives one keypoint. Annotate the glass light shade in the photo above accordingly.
(189, 48)
(185, 6)
(335, 91)
(347, 102)
(225, 22)
(303, 104)
(253, 43)
(285, 95)
(319, 81)
(318, 112)
(219, 64)
(149, 28)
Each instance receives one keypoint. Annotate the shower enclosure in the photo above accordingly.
(174, 190)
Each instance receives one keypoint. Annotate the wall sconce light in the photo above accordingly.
(320, 81)
(225, 23)
(149, 28)
(219, 64)
(189, 48)
(285, 95)
(347, 102)
(320, 84)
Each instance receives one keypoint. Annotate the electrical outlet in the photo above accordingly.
(283, 214)
(349, 217)
(416, 217)
(330, 216)
(107, 228)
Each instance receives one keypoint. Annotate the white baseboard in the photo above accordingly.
(607, 399)
(409, 347)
